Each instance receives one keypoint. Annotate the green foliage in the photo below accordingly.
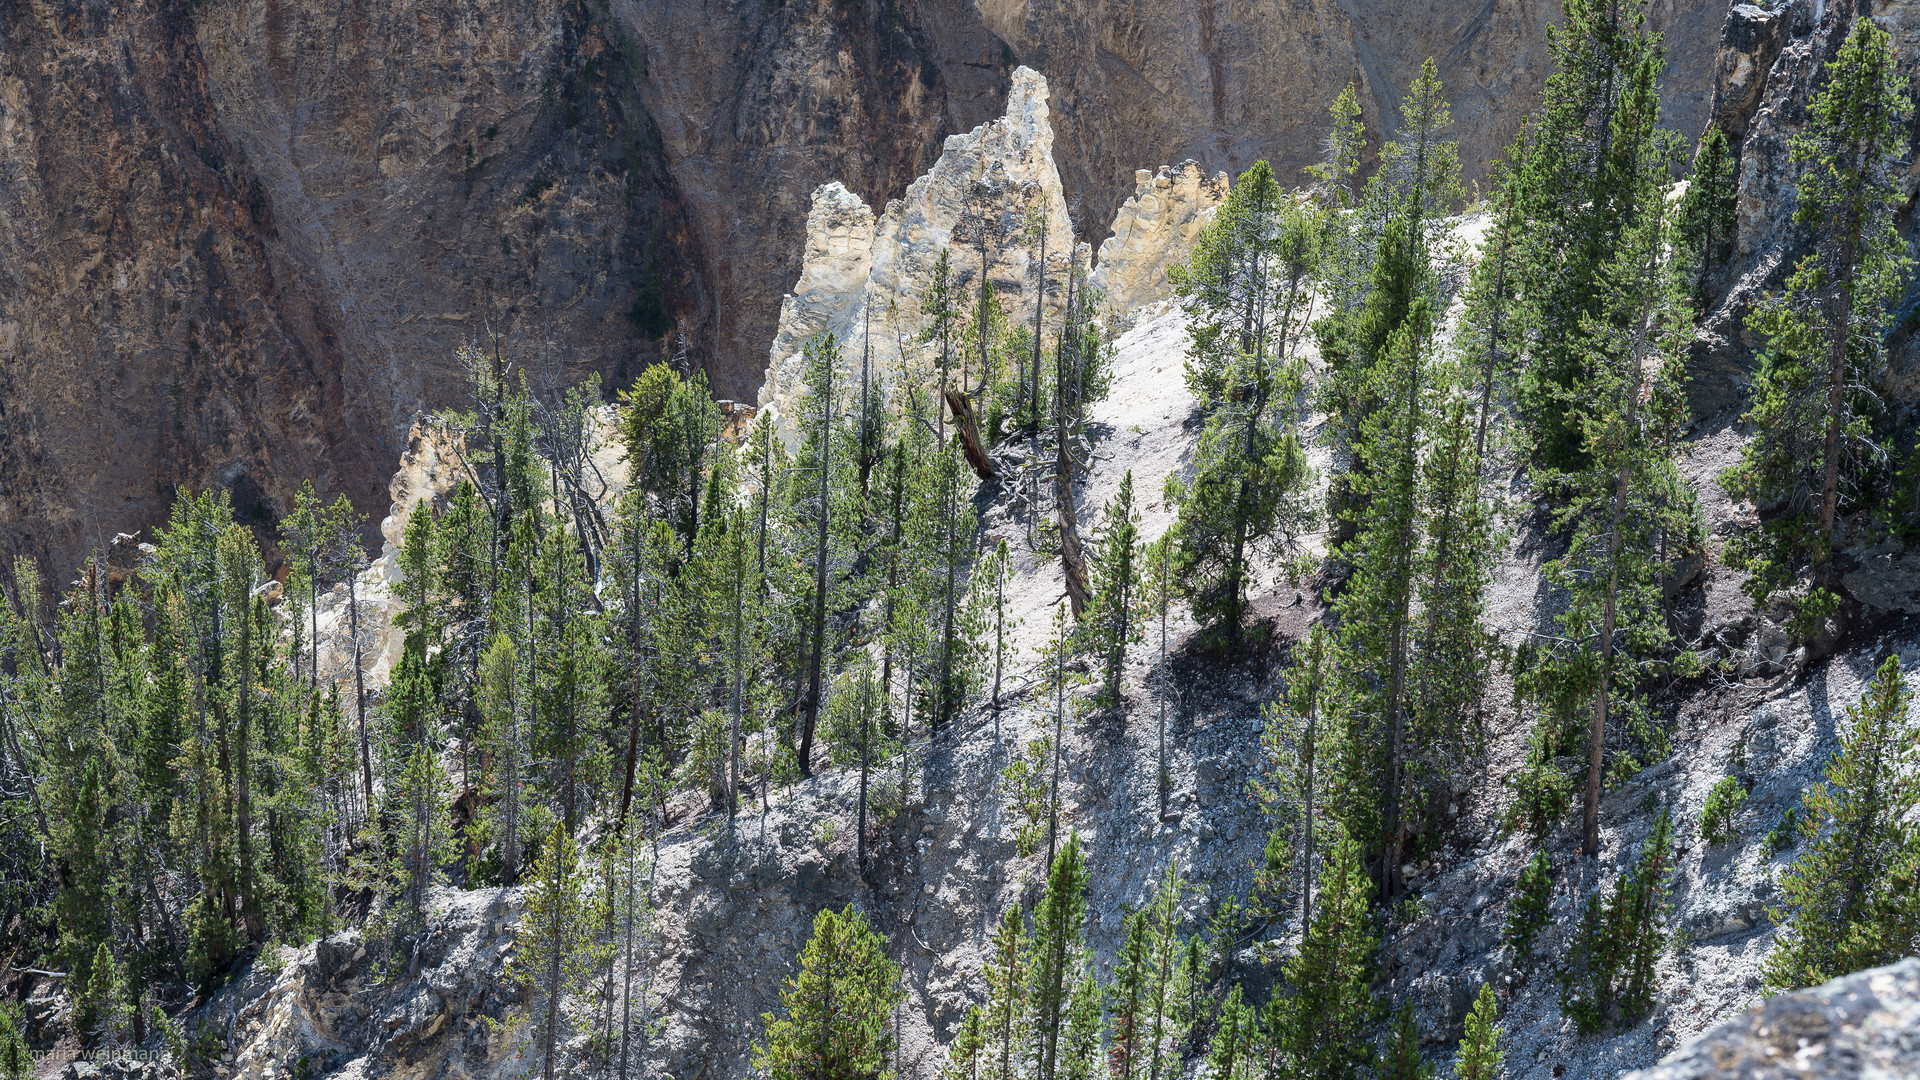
(838, 1008)
(1480, 1047)
(1024, 782)
(1231, 1055)
(1008, 966)
(1786, 831)
(1116, 619)
(1322, 1025)
(101, 1009)
(1291, 792)
(1245, 291)
(1608, 975)
(963, 1053)
(1580, 178)
(1058, 954)
(1402, 1060)
(1722, 807)
(1530, 910)
(1707, 213)
(16, 1060)
(1846, 899)
(1810, 405)
(555, 949)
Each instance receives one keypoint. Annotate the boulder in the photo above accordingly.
(1865, 1025)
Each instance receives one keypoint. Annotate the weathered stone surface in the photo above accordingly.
(986, 183)
(239, 239)
(1154, 229)
(1769, 64)
(1865, 1026)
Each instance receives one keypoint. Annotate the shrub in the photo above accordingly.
(1723, 805)
(1532, 897)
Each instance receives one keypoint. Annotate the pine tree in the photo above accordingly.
(1707, 213)
(987, 607)
(1160, 587)
(1480, 1048)
(1293, 736)
(1608, 976)
(1007, 970)
(553, 953)
(1081, 1055)
(1573, 189)
(1838, 912)
(16, 1059)
(838, 1023)
(1530, 911)
(942, 531)
(1115, 618)
(1228, 1058)
(1245, 291)
(503, 731)
(1129, 997)
(1346, 142)
(1628, 510)
(1809, 403)
(1164, 1022)
(1403, 1060)
(100, 1007)
(1376, 610)
(1058, 946)
(1321, 1033)
(963, 1054)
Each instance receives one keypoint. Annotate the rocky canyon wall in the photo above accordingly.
(241, 239)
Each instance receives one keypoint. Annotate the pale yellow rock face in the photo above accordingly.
(1153, 230)
(863, 279)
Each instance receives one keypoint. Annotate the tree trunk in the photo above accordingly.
(243, 780)
(966, 423)
(1836, 400)
(360, 691)
(811, 701)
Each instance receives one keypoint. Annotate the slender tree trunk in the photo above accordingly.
(945, 704)
(1059, 735)
(553, 995)
(1166, 680)
(1396, 683)
(633, 706)
(866, 741)
(626, 968)
(1597, 735)
(1493, 349)
(1073, 560)
(1039, 307)
(814, 663)
(739, 661)
(243, 780)
(1836, 412)
(360, 691)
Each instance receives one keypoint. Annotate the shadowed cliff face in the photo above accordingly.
(241, 239)
(144, 335)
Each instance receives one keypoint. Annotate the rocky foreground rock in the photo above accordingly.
(1865, 1026)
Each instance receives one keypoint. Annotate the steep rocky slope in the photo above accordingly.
(241, 238)
(734, 911)
(736, 906)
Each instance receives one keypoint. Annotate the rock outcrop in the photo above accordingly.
(1864, 1026)
(862, 279)
(344, 1007)
(240, 239)
(1154, 229)
(1767, 69)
